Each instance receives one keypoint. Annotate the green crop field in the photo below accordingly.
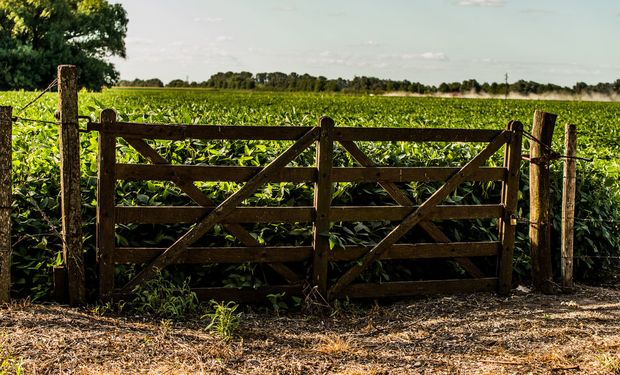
(36, 171)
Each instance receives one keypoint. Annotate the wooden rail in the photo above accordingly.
(232, 212)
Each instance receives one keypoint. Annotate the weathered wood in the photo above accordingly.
(71, 202)
(179, 132)
(222, 210)
(322, 203)
(165, 172)
(201, 255)
(540, 205)
(266, 254)
(301, 214)
(409, 288)
(415, 135)
(245, 295)
(105, 204)
(6, 200)
(60, 284)
(510, 191)
(206, 132)
(420, 214)
(187, 186)
(568, 204)
(403, 199)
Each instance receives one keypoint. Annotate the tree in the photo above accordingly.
(38, 35)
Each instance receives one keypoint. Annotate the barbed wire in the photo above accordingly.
(53, 84)
(553, 155)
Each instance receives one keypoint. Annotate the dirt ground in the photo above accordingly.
(472, 334)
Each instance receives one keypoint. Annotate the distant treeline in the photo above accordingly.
(295, 82)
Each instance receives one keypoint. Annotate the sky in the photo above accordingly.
(428, 41)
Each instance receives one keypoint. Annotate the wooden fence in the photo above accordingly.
(229, 213)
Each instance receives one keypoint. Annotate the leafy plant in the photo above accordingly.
(223, 319)
(163, 298)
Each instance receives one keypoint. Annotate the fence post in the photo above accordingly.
(71, 202)
(106, 163)
(540, 215)
(510, 192)
(6, 152)
(568, 204)
(322, 203)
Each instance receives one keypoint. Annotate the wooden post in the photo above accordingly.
(71, 202)
(510, 192)
(540, 215)
(322, 204)
(568, 205)
(106, 164)
(6, 152)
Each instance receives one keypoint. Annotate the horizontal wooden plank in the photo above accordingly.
(272, 254)
(191, 214)
(201, 255)
(411, 288)
(136, 172)
(422, 251)
(169, 172)
(415, 134)
(180, 131)
(245, 295)
(408, 174)
(397, 213)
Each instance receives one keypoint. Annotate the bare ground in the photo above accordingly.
(472, 334)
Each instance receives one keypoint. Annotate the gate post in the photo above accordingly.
(510, 192)
(106, 162)
(540, 201)
(322, 204)
(6, 125)
(71, 202)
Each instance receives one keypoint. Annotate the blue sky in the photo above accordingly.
(429, 41)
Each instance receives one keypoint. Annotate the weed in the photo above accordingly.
(223, 320)
(163, 298)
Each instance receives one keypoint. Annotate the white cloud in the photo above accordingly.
(223, 38)
(434, 56)
(480, 3)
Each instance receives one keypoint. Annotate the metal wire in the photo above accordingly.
(48, 88)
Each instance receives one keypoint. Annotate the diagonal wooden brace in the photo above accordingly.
(418, 215)
(222, 210)
(403, 199)
(201, 198)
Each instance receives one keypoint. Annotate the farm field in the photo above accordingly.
(36, 218)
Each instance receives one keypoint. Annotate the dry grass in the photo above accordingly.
(474, 334)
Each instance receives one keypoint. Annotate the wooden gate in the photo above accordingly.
(231, 214)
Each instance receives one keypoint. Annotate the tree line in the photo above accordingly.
(278, 81)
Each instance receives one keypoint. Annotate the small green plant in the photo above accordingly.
(163, 298)
(277, 302)
(223, 320)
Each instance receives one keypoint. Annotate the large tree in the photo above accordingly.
(38, 35)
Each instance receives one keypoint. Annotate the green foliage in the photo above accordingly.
(163, 298)
(38, 35)
(36, 218)
(223, 319)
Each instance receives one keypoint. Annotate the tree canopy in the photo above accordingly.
(38, 35)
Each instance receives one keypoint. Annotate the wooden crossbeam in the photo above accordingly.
(202, 199)
(420, 214)
(223, 209)
(403, 199)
